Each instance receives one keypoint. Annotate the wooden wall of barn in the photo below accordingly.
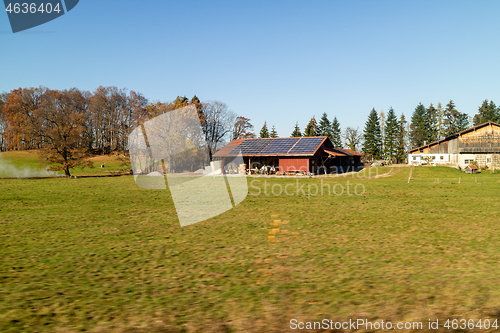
(294, 164)
(483, 140)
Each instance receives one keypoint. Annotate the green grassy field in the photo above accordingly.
(26, 163)
(102, 255)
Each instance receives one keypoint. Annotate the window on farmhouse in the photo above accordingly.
(468, 161)
(442, 157)
(414, 158)
(433, 157)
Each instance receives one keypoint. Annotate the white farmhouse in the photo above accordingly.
(480, 143)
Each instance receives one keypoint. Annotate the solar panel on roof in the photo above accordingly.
(279, 146)
(306, 146)
(250, 146)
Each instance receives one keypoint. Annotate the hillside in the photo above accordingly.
(26, 163)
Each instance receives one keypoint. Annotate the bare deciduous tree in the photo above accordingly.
(218, 124)
(353, 137)
(3, 123)
(107, 105)
(113, 113)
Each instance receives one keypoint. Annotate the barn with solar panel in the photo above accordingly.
(291, 155)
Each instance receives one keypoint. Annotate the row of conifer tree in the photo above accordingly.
(389, 136)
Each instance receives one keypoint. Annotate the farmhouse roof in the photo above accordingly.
(341, 152)
(350, 151)
(333, 152)
(455, 135)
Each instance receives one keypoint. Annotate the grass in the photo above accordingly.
(27, 162)
(101, 254)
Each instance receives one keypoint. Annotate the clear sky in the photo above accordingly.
(274, 61)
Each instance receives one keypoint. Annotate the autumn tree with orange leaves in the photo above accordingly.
(50, 120)
(243, 129)
(67, 126)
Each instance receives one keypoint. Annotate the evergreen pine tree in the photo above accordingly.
(181, 101)
(391, 134)
(195, 100)
(372, 135)
(431, 124)
(311, 128)
(296, 132)
(401, 139)
(324, 127)
(454, 121)
(487, 112)
(482, 113)
(199, 109)
(273, 133)
(463, 122)
(440, 121)
(450, 118)
(336, 133)
(494, 111)
(264, 132)
(417, 126)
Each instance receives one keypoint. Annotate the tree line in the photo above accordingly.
(389, 136)
(35, 118)
(68, 126)
(325, 127)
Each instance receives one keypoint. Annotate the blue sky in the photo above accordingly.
(274, 61)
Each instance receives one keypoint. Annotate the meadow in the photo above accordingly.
(26, 163)
(103, 255)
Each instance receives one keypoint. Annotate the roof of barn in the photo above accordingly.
(311, 147)
(454, 135)
(284, 146)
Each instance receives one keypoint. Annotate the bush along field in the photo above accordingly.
(103, 255)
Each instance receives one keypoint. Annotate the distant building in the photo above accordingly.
(305, 154)
(480, 143)
(471, 168)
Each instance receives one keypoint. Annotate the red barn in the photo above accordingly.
(305, 154)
